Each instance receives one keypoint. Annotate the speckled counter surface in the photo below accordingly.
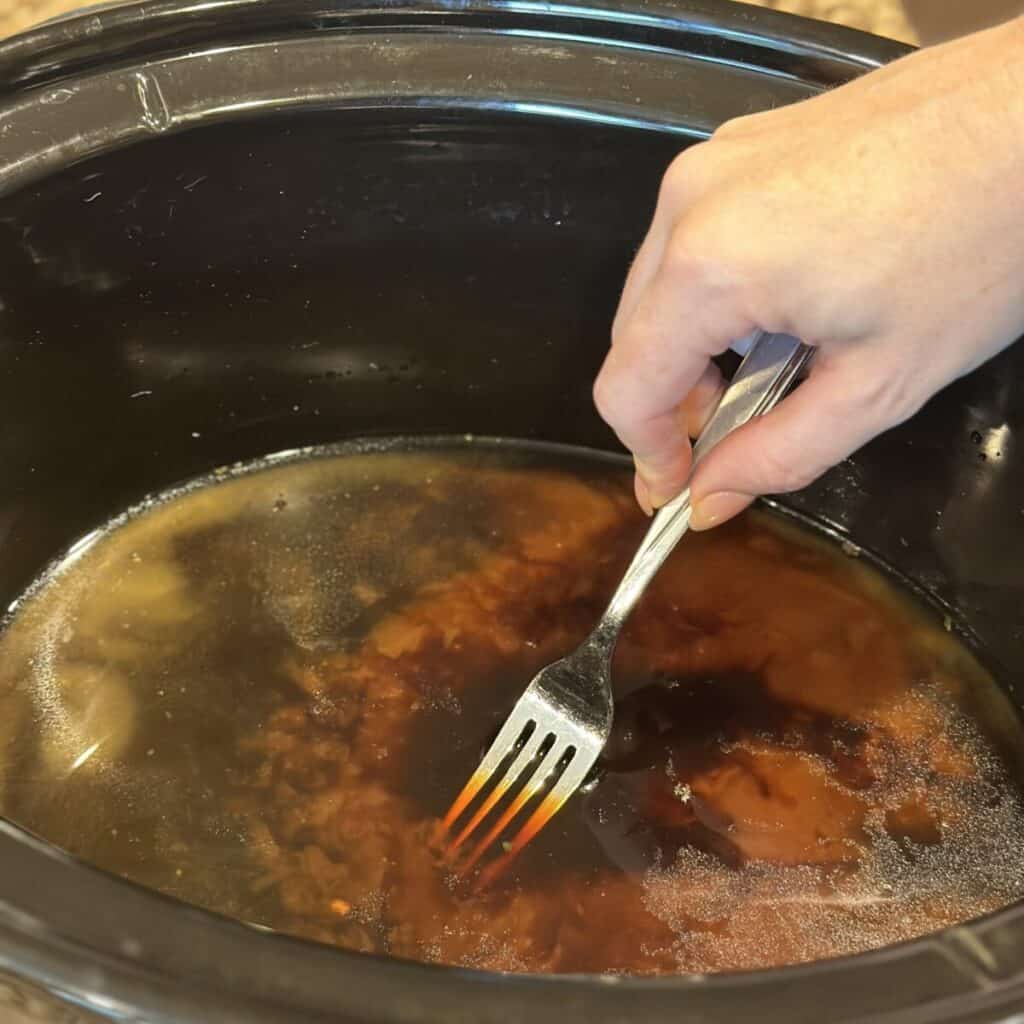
(885, 17)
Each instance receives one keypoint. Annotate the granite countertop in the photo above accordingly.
(884, 17)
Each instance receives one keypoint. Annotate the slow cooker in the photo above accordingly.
(233, 227)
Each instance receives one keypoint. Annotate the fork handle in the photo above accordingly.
(769, 368)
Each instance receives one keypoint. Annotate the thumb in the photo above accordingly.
(823, 422)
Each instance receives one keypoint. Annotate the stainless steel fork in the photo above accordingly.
(558, 728)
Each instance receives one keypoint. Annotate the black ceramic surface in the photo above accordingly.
(407, 219)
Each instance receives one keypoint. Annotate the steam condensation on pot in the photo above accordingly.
(259, 692)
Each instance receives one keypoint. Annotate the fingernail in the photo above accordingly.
(658, 498)
(717, 508)
(643, 495)
(654, 497)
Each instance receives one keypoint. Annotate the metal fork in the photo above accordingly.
(560, 725)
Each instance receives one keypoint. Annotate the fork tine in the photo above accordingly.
(529, 751)
(503, 744)
(531, 788)
(568, 782)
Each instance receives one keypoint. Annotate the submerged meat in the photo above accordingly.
(259, 695)
(789, 778)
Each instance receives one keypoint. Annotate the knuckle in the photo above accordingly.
(677, 176)
(728, 130)
(705, 244)
(687, 173)
(684, 255)
(736, 127)
(701, 251)
(620, 330)
(606, 398)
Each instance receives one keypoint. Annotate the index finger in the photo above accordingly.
(662, 350)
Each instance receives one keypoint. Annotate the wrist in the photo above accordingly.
(1009, 96)
(992, 115)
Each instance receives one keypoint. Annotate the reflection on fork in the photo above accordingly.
(543, 752)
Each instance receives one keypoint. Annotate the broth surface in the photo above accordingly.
(259, 693)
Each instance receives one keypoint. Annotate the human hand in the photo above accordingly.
(882, 223)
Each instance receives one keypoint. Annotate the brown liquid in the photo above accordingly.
(260, 695)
